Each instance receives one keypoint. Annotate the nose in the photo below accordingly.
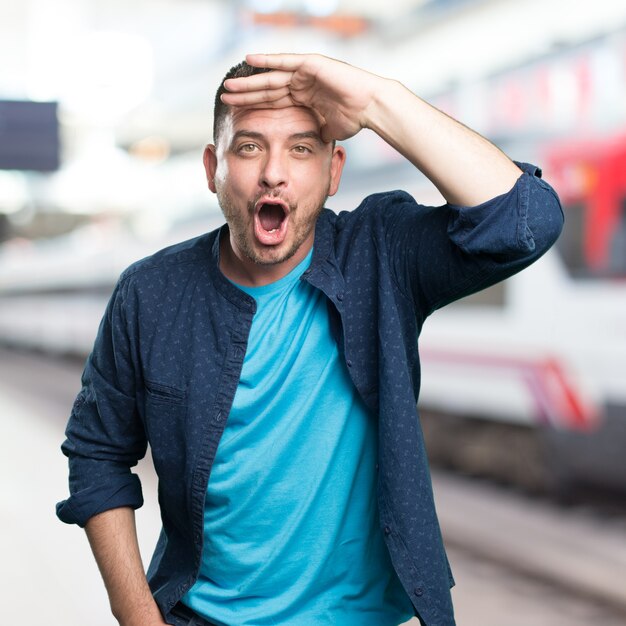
(274, 170)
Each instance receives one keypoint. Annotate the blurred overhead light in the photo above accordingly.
(338, 24)
(152, 149)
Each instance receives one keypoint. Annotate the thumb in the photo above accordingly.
(326, 134)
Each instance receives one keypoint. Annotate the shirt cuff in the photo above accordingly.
(499, 225)
(86, 503)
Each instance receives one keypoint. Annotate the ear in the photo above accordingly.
(210, 165)
(336, 168)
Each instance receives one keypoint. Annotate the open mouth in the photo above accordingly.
(270, 221)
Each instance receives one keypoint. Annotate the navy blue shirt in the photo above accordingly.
(168, 355)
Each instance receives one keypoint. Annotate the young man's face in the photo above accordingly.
(272, 174)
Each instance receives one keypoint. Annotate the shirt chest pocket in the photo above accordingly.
(165, 413)
(167, 429)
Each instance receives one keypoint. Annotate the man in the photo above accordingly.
(272, 365)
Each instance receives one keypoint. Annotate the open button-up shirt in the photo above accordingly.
(169, 352)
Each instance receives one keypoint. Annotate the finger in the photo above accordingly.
(267, 80)
(289, 62)
(326, 134)
(281, 103)
(265, 97)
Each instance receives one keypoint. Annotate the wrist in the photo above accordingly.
(138, 613)
(386, 93)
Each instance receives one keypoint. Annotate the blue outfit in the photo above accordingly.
(290, 520)
(169, 354)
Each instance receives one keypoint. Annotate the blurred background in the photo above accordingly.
(105, 107)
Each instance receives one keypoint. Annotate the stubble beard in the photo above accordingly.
(241, 229)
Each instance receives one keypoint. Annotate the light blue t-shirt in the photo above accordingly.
(291, 533)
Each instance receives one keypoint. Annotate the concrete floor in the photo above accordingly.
(48, 567)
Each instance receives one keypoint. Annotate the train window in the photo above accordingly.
(610, 263)
(571, 242)
(617, 246)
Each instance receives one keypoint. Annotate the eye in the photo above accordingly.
(302, 149)
(247, 148)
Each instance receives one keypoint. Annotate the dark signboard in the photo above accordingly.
(29, 135)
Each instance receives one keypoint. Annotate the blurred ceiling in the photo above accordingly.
(141, 75)
(151, 67)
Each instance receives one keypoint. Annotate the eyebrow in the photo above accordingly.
(251, 134)
(309, 134)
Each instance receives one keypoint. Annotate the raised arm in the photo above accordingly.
(497, 219)
(465, 167)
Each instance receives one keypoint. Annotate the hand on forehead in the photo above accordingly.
(335, 92)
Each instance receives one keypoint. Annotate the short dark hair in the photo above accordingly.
(220, 110)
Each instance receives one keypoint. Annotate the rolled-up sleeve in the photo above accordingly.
(104, 435)
(508, 224)
(444, 253)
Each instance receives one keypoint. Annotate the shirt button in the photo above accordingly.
(387, 530)
(418, 591)
(219, 417)
(349, 363)
(340, 297)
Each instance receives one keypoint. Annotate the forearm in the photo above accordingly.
(466, 168)
(113, 539)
